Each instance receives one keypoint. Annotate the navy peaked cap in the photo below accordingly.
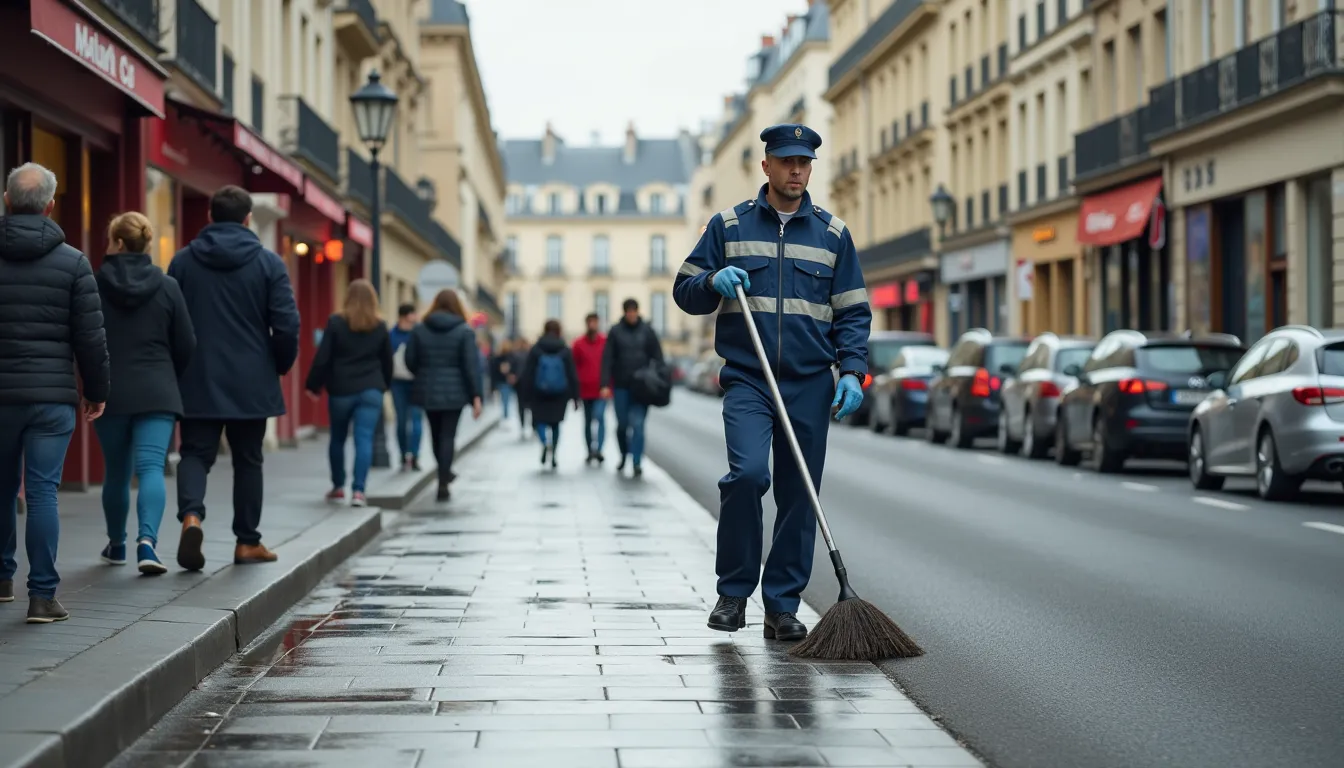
(791, 140)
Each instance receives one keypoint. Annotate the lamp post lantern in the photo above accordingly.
(944, 206)
(375, 109)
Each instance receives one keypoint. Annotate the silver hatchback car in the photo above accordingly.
(1277, 416)
(1031, 396)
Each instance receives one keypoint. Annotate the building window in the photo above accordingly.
(511, 252)
(658, 254)
(555, 305)
(655, 204)
(554, 206)
(514, 203)
(511, 313)
(602, 308)
(600, 204)
(601, 254)
(555, 255)
(658, 310)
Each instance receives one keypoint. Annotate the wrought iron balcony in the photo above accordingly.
(449, 249)
(356, 23)
(486, 301)
(140, 15)
(407, 205)
(1111, 145)
(358, 178)
(1291, 56)
(197, 44)
(304, 134)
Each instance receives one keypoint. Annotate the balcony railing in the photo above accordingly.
(140, 15)
(449, 249)
(197, 44)
(403, 201)
(1111, 145)
(885, 24)
(898, 250)
(1274, 64)
(486, 301)
(303, 133)
(358, 178)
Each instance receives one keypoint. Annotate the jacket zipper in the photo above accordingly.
(779, 308)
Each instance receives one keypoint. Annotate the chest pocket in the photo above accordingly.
(812, 281)
(759, 273)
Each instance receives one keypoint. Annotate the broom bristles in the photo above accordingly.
(855, 630)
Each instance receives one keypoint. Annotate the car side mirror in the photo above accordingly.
(1218, 380)
(1074, 370)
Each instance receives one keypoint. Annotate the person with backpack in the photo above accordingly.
(631, 345)
(442, 356)
(552, 382)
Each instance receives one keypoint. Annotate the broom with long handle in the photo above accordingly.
(853, 629)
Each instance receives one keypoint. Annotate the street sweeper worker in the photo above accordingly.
(800, 272)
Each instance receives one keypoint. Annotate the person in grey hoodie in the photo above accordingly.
(149, 340)
(247, 327)
(442, 355)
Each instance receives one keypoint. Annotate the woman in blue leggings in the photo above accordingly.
(149, 341)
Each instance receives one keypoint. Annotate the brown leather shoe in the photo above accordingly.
(251, 554)
(189, 554)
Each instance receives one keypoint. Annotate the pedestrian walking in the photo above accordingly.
(247, 337)
(588, 362)
(819, 317)
(631, 345)
(502, 376)
(354, 365)
(409, 417)
(552, 383)
(51, 324)
(150, 340)
(442, 355)
(517, 360)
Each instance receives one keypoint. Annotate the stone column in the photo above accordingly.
(1295, 230)
(1337, 230)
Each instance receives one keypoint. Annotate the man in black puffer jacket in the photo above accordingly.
(247, 336)
(51, 321)
(631, 345)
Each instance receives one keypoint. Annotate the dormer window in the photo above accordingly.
(655, 203)
(600, 204)
(554, 204)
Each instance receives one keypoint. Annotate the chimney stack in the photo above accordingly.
(548, 145)
(631, 143)
(767, 41)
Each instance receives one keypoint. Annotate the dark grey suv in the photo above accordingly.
(964, 395)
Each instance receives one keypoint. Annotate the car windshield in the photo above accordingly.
(925, 356)
(1074, 356)
(999, 355)
(1194, 360)
(1332, 361)
(882, 353)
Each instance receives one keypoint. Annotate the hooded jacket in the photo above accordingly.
(588, 363)
(247, 324)
(549, 409)
(50, 317)
(443, 356)
(149, 335)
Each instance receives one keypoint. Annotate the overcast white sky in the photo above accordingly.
(594, 65)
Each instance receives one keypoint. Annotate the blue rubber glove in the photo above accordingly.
(848, 396)
(727, 278)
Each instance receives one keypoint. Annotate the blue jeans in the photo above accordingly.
(542, 429)
(362, 409)
(410, 419)
(629, 424)
(136, 444)
(505, 396)
(33, 441)
(595, 413)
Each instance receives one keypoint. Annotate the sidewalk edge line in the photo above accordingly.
(399, 501)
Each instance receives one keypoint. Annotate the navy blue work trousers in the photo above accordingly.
(751, 430)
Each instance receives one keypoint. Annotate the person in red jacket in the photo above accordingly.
(588, 350)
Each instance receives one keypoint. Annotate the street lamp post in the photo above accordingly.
(944, 206)
(375, 108)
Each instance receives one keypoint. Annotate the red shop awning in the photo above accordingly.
(84, 37)
(1118, 215)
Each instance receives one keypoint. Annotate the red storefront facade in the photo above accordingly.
(77, 97)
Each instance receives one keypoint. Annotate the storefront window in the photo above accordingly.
(1320, 244)
(49, 151)
(1198, 306)
(161, 209)
(1113, 289)
(1257, 267)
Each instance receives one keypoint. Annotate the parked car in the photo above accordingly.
(883, 348)
(964, 394)
(681, 370)
(1277, 416)
(1135, 395)
(1031, 396)
(704, 374)
(901, 396)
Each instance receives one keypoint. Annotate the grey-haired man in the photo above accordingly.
(50, 320)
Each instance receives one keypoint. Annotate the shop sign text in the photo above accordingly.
(104, 58)
(1199, 175)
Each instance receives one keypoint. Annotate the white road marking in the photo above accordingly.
(1210, 501)
(990, 459)
(1139, 487)
(1331, 527)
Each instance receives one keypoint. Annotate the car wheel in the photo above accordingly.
(1104, 460)
(1031, 447)
(1006, 444)
(1199, 469)
(931, 432)
(1065, 455)
(959, 437)
(1271, 482)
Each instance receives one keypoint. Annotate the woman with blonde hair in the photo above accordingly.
(354, 365)
(149, 342)
(443, 356)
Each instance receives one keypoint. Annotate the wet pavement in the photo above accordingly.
(538, 619)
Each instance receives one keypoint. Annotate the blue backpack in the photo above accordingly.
(550, 377)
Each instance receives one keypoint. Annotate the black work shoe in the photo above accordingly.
(7, 591)
(442, 494)
(729, 614)
(42, 610)
(621, 467)
(784, 626)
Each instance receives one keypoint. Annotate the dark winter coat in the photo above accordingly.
(629, 348)
(443, 356)
(50, 317)
(150, 338)
(348, 363)
(247, 324)
(549, 409)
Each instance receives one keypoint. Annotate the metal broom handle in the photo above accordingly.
(783, 416)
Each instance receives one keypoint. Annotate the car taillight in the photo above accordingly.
(1318, 395)
(914, 385)
(1049, 389)
(1139, 386)
(867, 380)
(983, 384)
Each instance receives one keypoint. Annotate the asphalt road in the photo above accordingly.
(1073, 619)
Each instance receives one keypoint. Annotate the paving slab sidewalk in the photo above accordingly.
(78, 692)
(538, 619)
